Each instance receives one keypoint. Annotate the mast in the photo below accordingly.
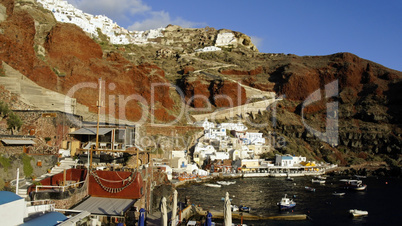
(99, 104)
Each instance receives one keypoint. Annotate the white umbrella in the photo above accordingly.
(174, 208)
(227, 211)
(164, 218)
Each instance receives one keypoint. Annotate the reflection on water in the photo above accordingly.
(262, 195)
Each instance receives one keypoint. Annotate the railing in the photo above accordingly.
(40, 206)
(62, 188)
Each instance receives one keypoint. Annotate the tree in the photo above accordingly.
(4, 110)
(13, 122)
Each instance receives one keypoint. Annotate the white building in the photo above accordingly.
(205, 124)
(288, 160)
(233, 126)
(208, 49)
(215, 133)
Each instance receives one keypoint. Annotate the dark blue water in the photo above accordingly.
(382, 200)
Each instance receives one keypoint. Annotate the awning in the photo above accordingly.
(106, 206)
(18, 142)
(91, 131)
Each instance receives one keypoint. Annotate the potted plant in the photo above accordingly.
(58, 163)
(49, 170)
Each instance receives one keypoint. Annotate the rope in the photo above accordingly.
(114, 190)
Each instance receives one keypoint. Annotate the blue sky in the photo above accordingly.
(369, 29)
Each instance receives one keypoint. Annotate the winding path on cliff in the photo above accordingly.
(238, 111)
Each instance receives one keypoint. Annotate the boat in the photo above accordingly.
(213, 185)
(234, 208)
(244, 208)
(290, 178)
(226, 182)
(358, 213)
(317, 181)
(286, 203)
(310, 189)
(338, 193)
(356, 185)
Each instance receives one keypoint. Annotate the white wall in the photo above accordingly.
(12, 213)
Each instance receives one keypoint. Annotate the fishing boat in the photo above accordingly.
(213, 185)
(358, 213)
(286, 203)
(310, 189)
(338, 193)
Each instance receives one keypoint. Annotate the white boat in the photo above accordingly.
(310, 189)
(290, 178)
(226, 182)
(317, 181)
(356, 185)
(358, 213)
(213, 185)
(286, 203)
(234, 208)
(338, 193)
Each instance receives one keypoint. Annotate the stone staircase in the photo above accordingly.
(34, 95)
(65, 164)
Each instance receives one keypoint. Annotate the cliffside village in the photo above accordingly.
(67, 13)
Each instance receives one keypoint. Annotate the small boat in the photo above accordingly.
(286, 203)
(356, 185)
(213, 185)
(226, 182)
(310, 189)
(244, 208)
(317, 181)
(234, 208)
(338, 193)
(290, 178)
(358, 213)
(223, 199)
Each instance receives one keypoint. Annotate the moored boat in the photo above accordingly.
(213, 185)
(358, 213)
(338, 193)
(286, 203)
(317, 181)
(356, 185)
(244, 208)
(310, 189)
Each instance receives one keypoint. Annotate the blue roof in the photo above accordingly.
(48, 219)
(8, 196)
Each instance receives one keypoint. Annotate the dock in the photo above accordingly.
(248, 216)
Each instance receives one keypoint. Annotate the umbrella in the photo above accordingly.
(208, 221)
(174, 210)
(227, 211)
(141, 219)
(164, 218)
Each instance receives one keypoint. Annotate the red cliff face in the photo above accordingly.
(73, 58)
(204, 93)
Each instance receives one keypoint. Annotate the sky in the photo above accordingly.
(371, 29)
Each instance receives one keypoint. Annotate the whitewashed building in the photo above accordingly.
(288, 160)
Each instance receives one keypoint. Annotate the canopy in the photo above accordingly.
(91, 131)
(18, 142)
(106, 206)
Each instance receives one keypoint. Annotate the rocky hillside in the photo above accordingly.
(59, 56)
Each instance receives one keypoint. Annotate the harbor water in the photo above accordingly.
(381, 199)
